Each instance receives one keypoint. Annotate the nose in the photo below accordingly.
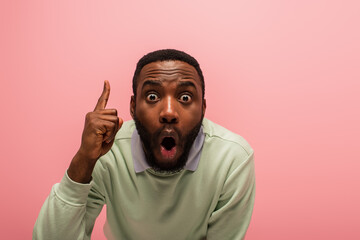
(169, 112)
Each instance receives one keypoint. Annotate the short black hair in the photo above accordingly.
(167, 55)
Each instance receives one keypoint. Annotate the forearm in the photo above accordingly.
(73, 205)
(63, 214)
(80, 169)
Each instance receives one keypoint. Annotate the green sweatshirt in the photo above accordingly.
(214, 202)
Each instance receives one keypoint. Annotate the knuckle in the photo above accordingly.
(113, 111)
(112, 125)
(93, 120)
(88, 116)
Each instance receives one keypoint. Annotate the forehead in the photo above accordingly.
(169, 70)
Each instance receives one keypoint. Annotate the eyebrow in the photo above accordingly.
(158, 83)
(151, 83)
(187, 84)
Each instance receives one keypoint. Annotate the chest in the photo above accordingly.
(175, 207)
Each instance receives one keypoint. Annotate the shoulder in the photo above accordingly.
(126, 130)
(215, 132)
(224, 148)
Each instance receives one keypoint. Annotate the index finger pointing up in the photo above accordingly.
(101, 104)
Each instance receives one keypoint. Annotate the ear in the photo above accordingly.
(204, 107)
(132, 106)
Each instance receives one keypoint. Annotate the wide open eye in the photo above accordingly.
(152, 97)
(185, 98)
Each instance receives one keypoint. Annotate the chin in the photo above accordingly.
(168, 165)
(166, 151)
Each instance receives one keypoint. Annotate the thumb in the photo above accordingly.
(120, 124)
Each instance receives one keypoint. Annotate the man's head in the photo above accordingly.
(168, 106)
(167, 55)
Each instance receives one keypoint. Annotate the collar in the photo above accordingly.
(139, 160)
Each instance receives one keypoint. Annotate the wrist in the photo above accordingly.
(80, 169)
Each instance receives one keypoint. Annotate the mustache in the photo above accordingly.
(164, 130)
(150, 139)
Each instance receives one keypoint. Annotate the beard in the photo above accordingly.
(148, 143)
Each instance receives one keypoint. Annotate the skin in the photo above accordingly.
(168, 101)
(101, 126)
(168, 98)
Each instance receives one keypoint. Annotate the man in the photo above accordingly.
(168, 174)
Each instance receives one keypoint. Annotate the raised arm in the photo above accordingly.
(70, 210)
(101, 126)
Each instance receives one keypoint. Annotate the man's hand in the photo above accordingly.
(100, 129)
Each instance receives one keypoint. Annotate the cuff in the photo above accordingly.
(72, 192)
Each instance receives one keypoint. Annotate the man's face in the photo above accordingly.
(168, 111)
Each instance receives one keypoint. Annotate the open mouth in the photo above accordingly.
(168, 148)
(168, 143)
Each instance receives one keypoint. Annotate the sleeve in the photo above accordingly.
(69, 212)
(232, 214)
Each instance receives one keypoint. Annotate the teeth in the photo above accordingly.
(168, 143)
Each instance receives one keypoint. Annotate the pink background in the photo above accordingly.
(283, 74)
